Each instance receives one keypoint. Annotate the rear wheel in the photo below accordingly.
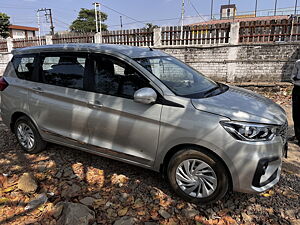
(28, 136)
(197, 176)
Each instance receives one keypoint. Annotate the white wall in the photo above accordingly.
(18, 33)
(21, 33)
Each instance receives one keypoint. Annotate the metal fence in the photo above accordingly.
(28, 42)
(270, 31)
(3, 46)
(250, 31)
(134, 37)
(196, 35)
(74, 38)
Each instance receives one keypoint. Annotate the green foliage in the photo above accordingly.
(4, 24)
(150, 26)
(85, 21)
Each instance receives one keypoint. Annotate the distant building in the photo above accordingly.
(228, 14)
(227, 11)
(16, 31)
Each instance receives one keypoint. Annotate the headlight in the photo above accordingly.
(250, 132)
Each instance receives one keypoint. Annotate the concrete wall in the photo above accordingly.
(234, 63)
(4, 59)
(241, 63)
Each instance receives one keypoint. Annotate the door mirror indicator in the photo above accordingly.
(145, 96)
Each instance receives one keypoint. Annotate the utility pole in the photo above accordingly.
(51, 21)
(100, 19)
(255, 8)
(48, 14)
(211, 9)
(39, 25)
(96, 16)
(275, 8)
(182, 19)
(121, 21)
(98, 11)
(293, 21)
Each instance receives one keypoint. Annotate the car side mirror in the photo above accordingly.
(145, 96)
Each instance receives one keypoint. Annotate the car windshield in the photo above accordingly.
(178, 77)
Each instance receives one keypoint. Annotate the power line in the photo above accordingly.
(62, 22)
(48, 14)
(190, 1)
(13, 7)
(123, 14)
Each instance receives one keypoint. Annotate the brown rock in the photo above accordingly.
(27, 183)
(57, 210)
(123, 212)
(125, 221)
(88, 201)
(164, 214)
(190, 213)
(71, 191)
(75, 213)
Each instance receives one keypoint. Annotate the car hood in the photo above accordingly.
(242, 105)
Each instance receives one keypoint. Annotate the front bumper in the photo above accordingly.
(257, 166)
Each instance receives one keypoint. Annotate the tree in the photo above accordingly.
(86, 22)
(150, 26)
(4, 24)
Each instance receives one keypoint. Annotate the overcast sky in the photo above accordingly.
(23, 12)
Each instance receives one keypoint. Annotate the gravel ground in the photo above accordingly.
(120, 192)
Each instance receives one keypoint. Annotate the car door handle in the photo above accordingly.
(95, 104)
(37, 90)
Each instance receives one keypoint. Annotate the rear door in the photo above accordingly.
(117, 122)
(58, 100)
(20, 77)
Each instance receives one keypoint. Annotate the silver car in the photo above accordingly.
(144, 107)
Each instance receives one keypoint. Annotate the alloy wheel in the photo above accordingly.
(25, 136)
(196, 178)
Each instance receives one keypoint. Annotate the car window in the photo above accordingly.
(178, 77)
(24, 66)
(115, 77)
(64, 70)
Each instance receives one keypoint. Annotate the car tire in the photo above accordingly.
(28, 136)
(190, 168)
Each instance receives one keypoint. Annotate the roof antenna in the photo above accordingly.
(150, 48)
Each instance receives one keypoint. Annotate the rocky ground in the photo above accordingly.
(75, 187)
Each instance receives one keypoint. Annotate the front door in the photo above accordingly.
(117, 122)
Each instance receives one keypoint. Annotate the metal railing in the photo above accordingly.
(73, 38)
(134, 37)
(196, 35)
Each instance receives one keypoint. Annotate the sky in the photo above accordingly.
(135, 13)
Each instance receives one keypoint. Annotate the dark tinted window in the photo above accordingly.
(114, 77)
(24, 66)
(64, 70)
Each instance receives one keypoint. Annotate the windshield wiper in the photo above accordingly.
(210, 91)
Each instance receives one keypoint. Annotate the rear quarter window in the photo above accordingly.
(24, 66)
(64, 70)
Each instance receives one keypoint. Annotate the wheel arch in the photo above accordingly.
(15, 116)
(177, 148)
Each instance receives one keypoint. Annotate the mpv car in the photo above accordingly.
(144, 107)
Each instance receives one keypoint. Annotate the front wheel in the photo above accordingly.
(28, 136)
(197, 176)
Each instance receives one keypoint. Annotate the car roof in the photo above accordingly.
(130, 51)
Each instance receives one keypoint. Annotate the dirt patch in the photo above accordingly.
(116, 192)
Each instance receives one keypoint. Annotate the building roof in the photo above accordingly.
(17, 27)
(130, 51)
(212, 22)
(232, 6)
